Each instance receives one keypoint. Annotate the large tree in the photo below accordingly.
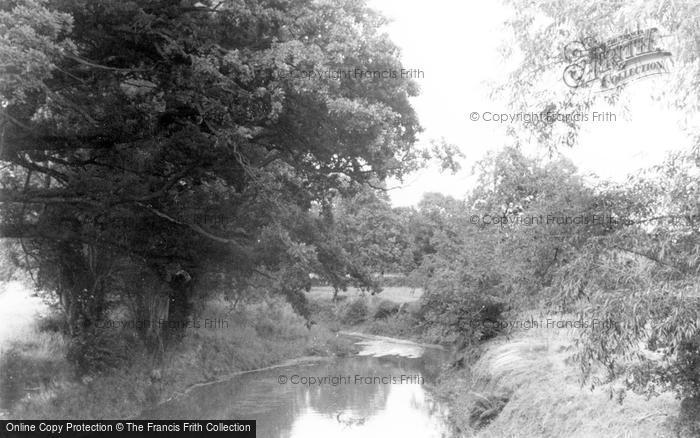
(159, 142)
(504, 244)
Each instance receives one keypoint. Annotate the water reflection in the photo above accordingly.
(380, 347)
(357, 405)
(407, 411)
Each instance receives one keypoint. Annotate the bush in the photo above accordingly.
(401, 325)
(491, 319)
(356, 312)
(386, 309)
(485, 409)
(98, 350)
(278, 320)
(53, 322)
(456, 315)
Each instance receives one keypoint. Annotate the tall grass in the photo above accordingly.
(528, 385)
(32, 360)
(44, 385)
(31, 369)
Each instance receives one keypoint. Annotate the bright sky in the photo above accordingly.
(456, 44)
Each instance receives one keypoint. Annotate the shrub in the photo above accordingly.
(278, 320)
(490, 319)
(386, 308)
(458, 315)
(415, 311)
(485, 409)
(98, 350)
(356, 312)
(402, 325)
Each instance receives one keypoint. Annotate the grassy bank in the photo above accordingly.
(395, 312)
(522, 384)
(38, 382)
(527, 385)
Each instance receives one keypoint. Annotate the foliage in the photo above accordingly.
(541, 32)
(634, 269)
(385, 309)
(38, 361)
(500, 246)
(98, 351)
(371, 236)
(356, 312)
(10, 261)
(643, 277)
(639, 274)
(485, 408)
(176, 141)
(532, 371)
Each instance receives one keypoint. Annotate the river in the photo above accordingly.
(383, 391)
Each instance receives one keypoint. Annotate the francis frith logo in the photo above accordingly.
(616, 61)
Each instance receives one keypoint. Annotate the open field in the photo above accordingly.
(393, 312)
(397, 294)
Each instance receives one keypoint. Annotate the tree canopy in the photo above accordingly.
(186, 142)
(642, 270)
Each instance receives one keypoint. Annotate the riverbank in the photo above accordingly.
(38, 382)
(395, 312)
(523, 384)
(528, 385)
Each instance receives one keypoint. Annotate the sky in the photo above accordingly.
(457, 44)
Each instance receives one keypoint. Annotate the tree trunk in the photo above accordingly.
(180, 307)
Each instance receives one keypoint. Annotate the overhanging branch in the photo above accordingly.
(196, 228)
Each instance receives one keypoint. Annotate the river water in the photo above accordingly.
(381, 392)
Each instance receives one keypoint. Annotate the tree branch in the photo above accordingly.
(196, 228)
(40, 196)
(102, 67)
